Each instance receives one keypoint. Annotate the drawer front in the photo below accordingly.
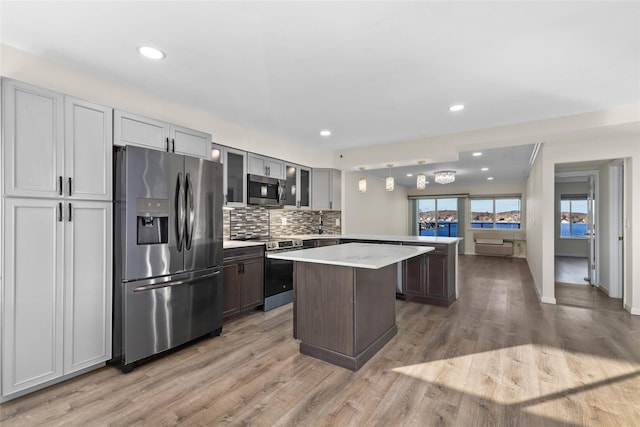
(242, 253)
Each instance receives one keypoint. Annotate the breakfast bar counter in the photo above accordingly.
(344, 299)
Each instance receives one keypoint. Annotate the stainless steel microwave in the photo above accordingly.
(265, 191)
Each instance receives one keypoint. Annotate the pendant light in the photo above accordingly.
(421, 178)
(362, 182)
(389, 183)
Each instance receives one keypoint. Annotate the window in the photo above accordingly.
(574, 216)
(438, 217)
(495, 213)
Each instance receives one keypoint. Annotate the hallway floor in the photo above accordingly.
(571, 270)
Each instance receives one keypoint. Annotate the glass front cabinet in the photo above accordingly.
(234, 174)
(298, 191)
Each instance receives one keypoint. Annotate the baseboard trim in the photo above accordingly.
(633, 310)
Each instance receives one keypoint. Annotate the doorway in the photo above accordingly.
(588, 234)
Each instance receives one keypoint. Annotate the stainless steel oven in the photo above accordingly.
(278, 274)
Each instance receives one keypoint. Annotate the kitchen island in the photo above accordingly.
(344, 299)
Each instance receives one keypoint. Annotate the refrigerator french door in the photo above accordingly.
(168, 250)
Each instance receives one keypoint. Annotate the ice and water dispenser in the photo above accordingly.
(152, 221)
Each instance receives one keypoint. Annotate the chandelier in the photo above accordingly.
(445, 177)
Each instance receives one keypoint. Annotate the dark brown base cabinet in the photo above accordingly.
(430, 278)
(243, 278)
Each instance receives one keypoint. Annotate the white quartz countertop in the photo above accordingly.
(379, 237)
(231, 244)
(359, 255)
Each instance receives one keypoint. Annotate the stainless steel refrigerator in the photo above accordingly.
(167, 252)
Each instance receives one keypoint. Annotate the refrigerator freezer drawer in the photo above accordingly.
(160, 316)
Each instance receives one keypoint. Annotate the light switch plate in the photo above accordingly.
(284, 221)
(337, 222)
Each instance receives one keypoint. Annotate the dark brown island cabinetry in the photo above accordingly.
(243, 280)
(430, 278)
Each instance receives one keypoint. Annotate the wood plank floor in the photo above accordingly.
(495, 357)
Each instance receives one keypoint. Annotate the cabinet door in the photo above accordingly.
(190, 142)
(131, 129)
(292, 189)
(275, 168)
(336, 190)
(32, 140)
(230, 292)
(437, 276)
(235, 177)
(256, 165)
(252, 283)
(88, 150)
(32, 334)
(321, 188)
(87, 284)
(304, 188)
(414, 275)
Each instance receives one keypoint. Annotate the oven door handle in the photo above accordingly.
(175, 282)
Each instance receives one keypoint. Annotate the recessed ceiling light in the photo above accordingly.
(477, 153)
(151, 52)
(484, 169)
(490, 178)
(409, 174)
(325, 132)
(457, 107)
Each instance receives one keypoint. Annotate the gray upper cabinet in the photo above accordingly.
(55, 145)
(326, 189)
(132, 129)
(265, 166)
(298, 190)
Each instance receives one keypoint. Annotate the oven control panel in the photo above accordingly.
(283, 244)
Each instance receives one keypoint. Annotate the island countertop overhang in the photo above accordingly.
(357, 255)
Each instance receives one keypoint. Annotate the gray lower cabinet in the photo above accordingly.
(243, 279)
(327, 242)
(430, 278)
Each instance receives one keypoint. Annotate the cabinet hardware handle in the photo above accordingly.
(173, 145)
(69, 212)
(60, 185)
(60, 212)
(330, 205)
(69, 186)
(167, 144)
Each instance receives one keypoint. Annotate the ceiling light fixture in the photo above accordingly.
(421, 178)
(490, 178)
(325, 132)
(151, 52)
(477, 154)
(484, 169)
(409, 175)
(362, 182)
(457, 107)
(445, 177)
(389, 183)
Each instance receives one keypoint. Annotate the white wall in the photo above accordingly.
(376, 211)
(569, 247)
(534, 226)
(36, 70)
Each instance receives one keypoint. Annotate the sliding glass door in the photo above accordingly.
(438, 217)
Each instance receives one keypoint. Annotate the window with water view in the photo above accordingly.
(574, 216)
(495, 213)
(438, 217)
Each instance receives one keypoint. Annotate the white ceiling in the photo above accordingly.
(372, 72)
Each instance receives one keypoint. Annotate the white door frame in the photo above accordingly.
(616, 226)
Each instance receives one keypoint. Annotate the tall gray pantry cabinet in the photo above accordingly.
(56, 237)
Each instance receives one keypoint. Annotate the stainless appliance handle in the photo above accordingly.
(174, 283)
(190, 212)
(180, 214)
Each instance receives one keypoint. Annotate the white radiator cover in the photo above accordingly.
(494, 248)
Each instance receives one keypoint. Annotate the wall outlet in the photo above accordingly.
(337, 222)
(284, 221)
